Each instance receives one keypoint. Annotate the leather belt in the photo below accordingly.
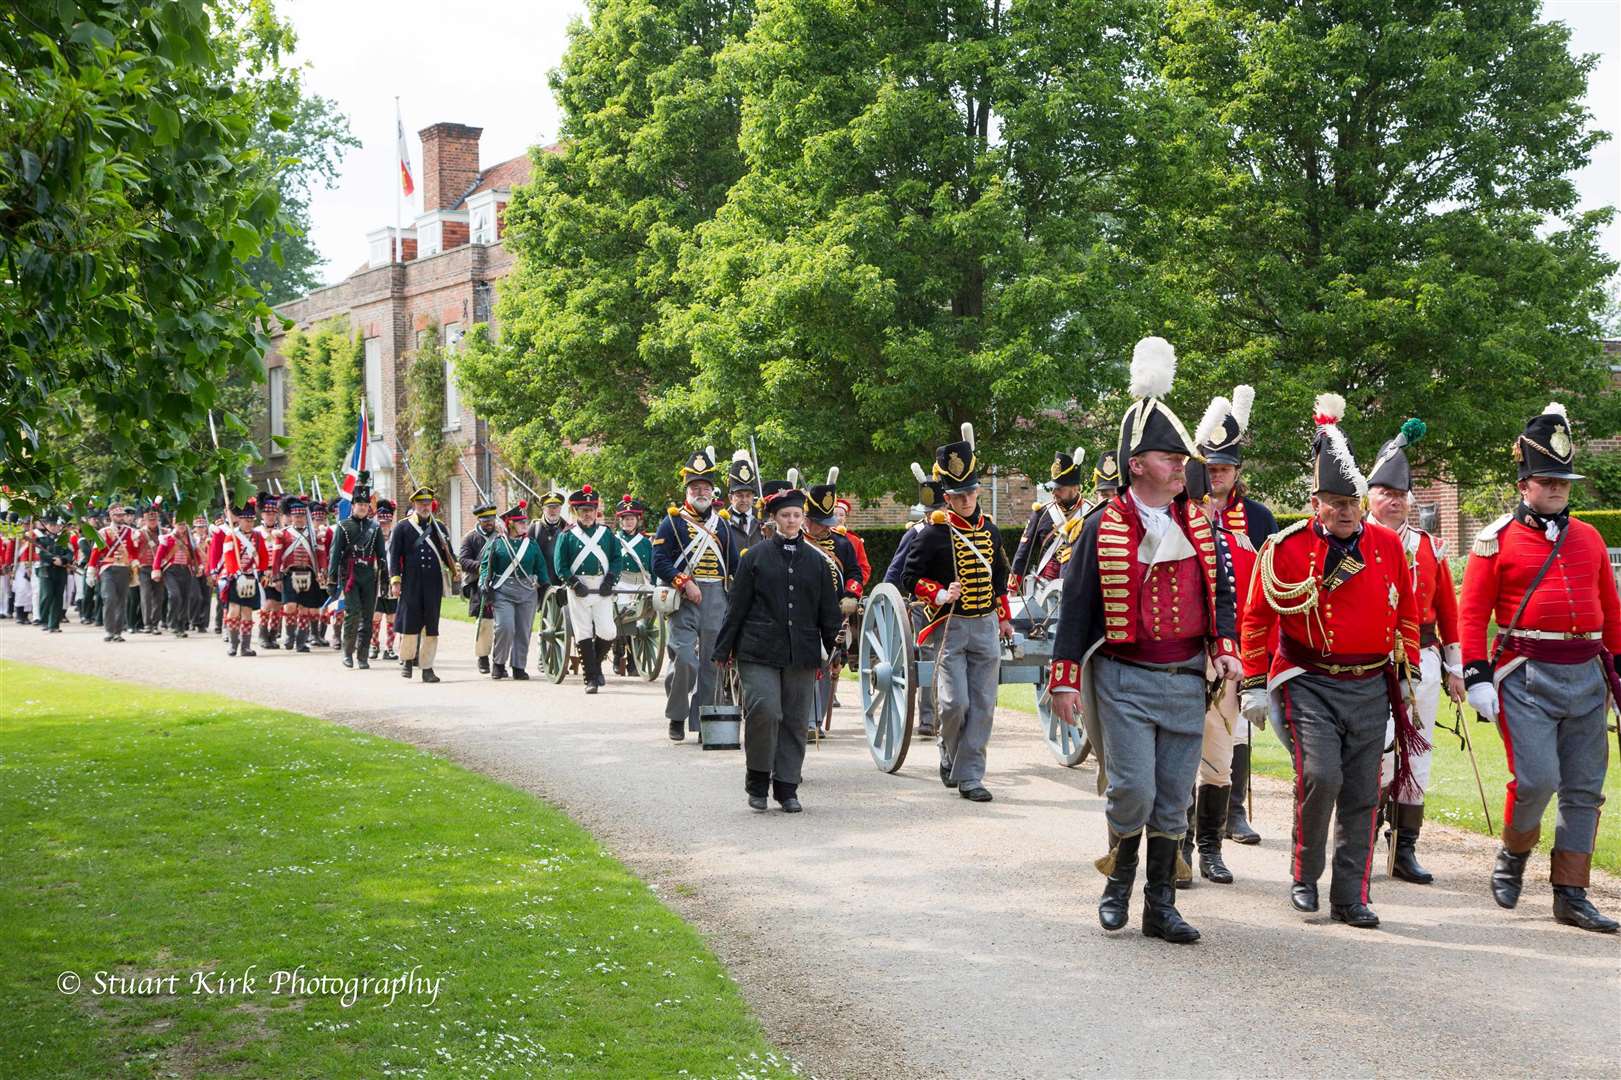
(1557, 635)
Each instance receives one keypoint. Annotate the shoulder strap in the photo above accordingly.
(1547, 564)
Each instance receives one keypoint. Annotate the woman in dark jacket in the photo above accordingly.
(782, 618)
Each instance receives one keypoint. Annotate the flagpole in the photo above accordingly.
(399, 249)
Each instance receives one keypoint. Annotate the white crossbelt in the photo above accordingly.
(513, 565)
(978, 554)
(630, 552)
(702, 540)
(589, 546)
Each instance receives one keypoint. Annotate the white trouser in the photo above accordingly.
(591, 615)
(1427, 692)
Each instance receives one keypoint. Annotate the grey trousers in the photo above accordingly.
(775, 701)
(151, 599)
(1152, 723)
(691, 642)
(178, 583)
(1553, 727)
(967, 674)
(114, 584)
(515, 605)
(927, 720)
(1335, 729)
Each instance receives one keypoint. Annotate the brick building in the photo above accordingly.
(443, 276)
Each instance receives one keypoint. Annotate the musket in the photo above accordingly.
(275, 482)
(335, 485)
(1468, 744)
(521, 484)
(482, 494)
(759, 484)
(214, 434)
(301, 482)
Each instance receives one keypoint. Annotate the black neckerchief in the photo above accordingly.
(1344, 558)
(1540, 522)
(786, 546)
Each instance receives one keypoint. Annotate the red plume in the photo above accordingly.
(523, 504)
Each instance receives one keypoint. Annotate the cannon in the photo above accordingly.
(892, 674)
(634, 614)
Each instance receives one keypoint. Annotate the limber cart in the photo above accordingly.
(646, 628)
(893, 674)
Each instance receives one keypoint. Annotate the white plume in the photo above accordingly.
(1328, 408)
(1153, 368)
(968, 435)
(1080, 454)
(740, 455)
(1341, 451)
(917, 471)
(1243, 400)
(1210, 424)
(832, 476)
(1557, 409)
(711, 450)
(793, 477)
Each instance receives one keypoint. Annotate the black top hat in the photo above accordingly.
(1222, 429)
(1150, 424)
(928, 489)
(1066, 468)
(782, 494)
(955, 465)
(1545, 448)
(584, 497)
(1391, 468)
(740, 474)
(820, 503)
(700, 466)
(1106, 477)
(1333, 469)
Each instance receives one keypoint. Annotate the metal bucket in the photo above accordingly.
(720, 727)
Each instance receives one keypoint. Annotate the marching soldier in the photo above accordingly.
(8, 565)
(513, 570)
(319, 619)
(300, 563)
(114, 561)
(243, 558)
(54, 557)
(822, 529)
(1044, 547)
(778, 660)
(1146, 611)
(270, 617)
(695, 555)
(1390, 485)
(146, 580)
(422, 567)
(1105, 478)
(354, 572)
(548, 527)
(175, 566)
(1550, 676)
(201, 532)
(1338, 591)
(587, 561)
(841, 513)
(929, 499)
(387, 603)
(1238, 514)
(479, 606)
(958, 569)
(740, 515)
(637, 569)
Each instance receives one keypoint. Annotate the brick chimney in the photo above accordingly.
(449, 163)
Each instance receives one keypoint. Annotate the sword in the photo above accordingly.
(759, 484)
(1468, 745)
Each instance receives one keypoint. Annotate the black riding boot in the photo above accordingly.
(1238, 823)
(1183, 878)
(1409, 819)
(1115, 907)
(1508, 877)
(232, 638)
(1160, 917)
(1211, 807)
(590, 665)
(301, 638)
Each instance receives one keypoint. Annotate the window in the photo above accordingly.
(453, 506)
(484, 224)
(430, 236)
(374, 381)
(278, 405)
(453, 398)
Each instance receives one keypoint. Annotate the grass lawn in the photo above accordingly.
(455, 607)
(150, 833)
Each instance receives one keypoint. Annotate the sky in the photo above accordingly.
(486, 65)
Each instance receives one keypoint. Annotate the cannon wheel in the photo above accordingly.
(1068, 742)
(556, 637)
(647, 646)
(887, 662)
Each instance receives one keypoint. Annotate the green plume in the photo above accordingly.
(1413, 429)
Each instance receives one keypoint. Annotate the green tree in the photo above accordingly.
(649, 150)
(432, 458)
(1381, 204)
(131, 198)
(326, 369)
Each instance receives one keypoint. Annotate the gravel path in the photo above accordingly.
(896, 930)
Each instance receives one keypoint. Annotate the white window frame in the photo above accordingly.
(374, 381)
(278, 406)
(454, 518)
(453, 398)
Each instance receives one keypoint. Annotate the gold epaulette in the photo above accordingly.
(675, 511)
(1486, 539)
(1035, 506)
(725, 515)
(1072, 528)
(1288, 531)
(937, 517)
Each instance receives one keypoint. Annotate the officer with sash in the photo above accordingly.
(512, 571)
(1549, 678)
(587, 562)
(956, 567)
(694, 553)
(930, 498)
(1044, 547)
(1335, 593)
(354, 572)
(480, 607)
(114, 561)
(637, 569)
(742, 482)
(1146, 611)
(422, 568)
